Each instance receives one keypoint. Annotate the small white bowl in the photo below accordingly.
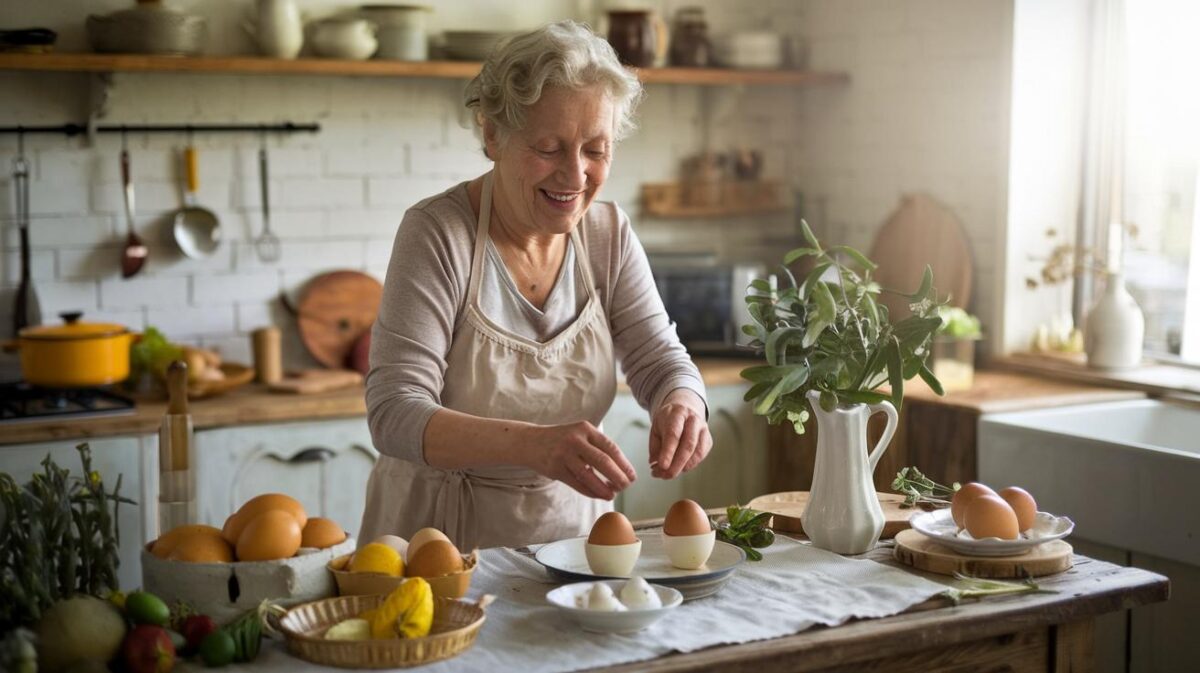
(612, 560)
(689, 552)
(627, 621)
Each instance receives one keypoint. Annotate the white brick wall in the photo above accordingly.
(926, 109)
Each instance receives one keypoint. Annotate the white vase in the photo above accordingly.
(277, 28)
(1115, 328)
(843, 513)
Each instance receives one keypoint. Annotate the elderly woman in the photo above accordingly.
(508, 302)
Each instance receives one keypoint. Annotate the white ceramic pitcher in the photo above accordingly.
(843, 513)
(277, 28)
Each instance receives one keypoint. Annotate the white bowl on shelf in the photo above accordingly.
(759, 50)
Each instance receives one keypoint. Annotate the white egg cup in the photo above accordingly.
(689, 552)
(612, 560)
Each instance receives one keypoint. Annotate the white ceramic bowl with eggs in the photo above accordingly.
(568, 599)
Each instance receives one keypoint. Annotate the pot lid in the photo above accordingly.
(73, 328)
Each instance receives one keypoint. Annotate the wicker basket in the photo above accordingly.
(456, 623)
(353, 584)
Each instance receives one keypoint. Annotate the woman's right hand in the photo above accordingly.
(580, 456)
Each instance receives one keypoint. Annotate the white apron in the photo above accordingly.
(493, 373)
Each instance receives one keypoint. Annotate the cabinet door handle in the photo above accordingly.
(313, 454)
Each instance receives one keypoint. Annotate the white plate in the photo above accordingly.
(939, 525)
(628, 621)
(565, 560)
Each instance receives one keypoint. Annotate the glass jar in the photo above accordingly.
(954, 362)
(690, 47)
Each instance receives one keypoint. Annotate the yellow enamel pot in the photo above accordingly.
(76, 354)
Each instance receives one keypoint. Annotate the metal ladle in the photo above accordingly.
(267, 243)
(197, 230)
(133, 257)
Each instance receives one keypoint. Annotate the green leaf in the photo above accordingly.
(829, 400)
(787, 384)
(926, 285)
(791, 278)
(895, 368)
(796, 254)
(814, 331)
(934, 384)
(808, 234)
(862, 396)
(764, 373)
(859, 258)
(826, 309)
(814, 277)
(761, 285)
(777, 343)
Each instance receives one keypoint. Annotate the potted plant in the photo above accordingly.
(829, 346)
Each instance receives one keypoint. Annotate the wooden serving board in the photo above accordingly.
(922, 553)
(789, 505)
(312, 381)
(335, 309)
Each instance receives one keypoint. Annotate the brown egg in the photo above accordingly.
(434, 559)
(1023, 504)
(989, 516)
(686, 517)
(167, 542)
(274, 534)
(232, 532)
(320, 532)
(202, 549)
(612, 528)
(421, 538)
(962, 497)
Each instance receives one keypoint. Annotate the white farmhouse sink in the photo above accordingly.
(1127, 473)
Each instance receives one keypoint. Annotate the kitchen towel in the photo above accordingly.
(794, 587)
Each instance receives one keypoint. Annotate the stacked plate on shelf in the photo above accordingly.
(473, 45)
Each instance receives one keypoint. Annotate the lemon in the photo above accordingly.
(350, 629)
(406, 612)
(377, 558)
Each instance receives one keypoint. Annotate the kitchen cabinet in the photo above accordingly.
(325, 465)
(734, 472)
(132, 458)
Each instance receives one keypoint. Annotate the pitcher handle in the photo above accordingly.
(893, 419)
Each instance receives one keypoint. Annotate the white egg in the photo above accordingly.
(637, 594)
(601, 597)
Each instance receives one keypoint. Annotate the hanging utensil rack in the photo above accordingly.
(71, 130)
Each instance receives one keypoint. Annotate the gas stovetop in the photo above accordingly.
(23, 402)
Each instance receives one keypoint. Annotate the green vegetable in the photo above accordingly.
(921, 489)
(958, 324)
(78, 629)
(745, 528)
(151, 354)
(975, 587)
(218, 649)
(246, 632)
(18, 651)
(60, 538)
(831, 334)
(145, 608)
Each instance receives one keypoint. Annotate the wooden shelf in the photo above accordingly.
(434, 69)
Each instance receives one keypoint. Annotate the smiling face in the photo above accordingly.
(548, 173)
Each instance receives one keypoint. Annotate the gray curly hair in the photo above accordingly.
(566, 54)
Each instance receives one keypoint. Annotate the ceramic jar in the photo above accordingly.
(402, 31)
(148, 28)
(633, 34)
(277, 28)
(341, 37)
(690, 47)
(1115, 328)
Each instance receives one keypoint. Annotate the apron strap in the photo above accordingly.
(481, 234)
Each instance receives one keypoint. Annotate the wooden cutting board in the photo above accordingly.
(922, 232)
(789, 505)
(312, 381)
(922, 553)
(334, 310)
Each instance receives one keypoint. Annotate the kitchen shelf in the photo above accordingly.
(431, 69)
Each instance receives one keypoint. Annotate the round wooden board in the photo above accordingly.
(922, 553)
(789, 505)
(922, 232)
(335, 309)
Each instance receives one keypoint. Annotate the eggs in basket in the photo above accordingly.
(382, 565)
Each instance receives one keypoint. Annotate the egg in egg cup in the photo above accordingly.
(688, 536)
(612, 549)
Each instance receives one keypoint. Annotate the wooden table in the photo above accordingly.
(1025, 632)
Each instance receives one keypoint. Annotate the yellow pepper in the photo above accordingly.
(407, 611)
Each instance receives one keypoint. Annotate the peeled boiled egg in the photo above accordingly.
(320, 533)
(963, 496)
(637, 594)
(990, 516)
(688, 537)
(612, 549)
(274, 534)
(434, 559)
(1023, 505)
(232, 532)
(600, 597)
(422, 537)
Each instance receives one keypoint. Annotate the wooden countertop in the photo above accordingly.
(1000, 391)
(253, 404)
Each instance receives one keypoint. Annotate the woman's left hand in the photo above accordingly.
(679, 437)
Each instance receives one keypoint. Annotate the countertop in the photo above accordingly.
(252, 403)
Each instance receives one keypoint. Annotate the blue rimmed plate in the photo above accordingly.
(565, 561)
